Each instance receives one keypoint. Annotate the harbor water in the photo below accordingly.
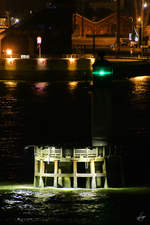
(59, 113)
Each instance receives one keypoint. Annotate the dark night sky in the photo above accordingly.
(22, 5)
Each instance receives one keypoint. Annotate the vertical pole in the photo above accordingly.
(118, 26)
(60, 183)
(75, 184)
(39, 51)
(105, 174)
(103, 151)
(92, 167)
(55, 172)
(142, 24)
(99, 179)
(35, 171)
(41, 183)
(88, 182)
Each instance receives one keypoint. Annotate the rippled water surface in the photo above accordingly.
(74, 207)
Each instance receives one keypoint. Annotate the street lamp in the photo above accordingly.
(9, 52)
(145, 5)
(141, 20)
(39, 41)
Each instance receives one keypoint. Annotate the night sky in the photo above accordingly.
(19, 6)
(22, 6)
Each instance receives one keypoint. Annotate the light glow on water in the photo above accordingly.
(71, 60)
(73, 85)
(40, 87)
(140, 78)
(72, 63)
(42, 61)
(140, 85)
(10, 83)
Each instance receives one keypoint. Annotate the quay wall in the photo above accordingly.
(66, 68)
(46, 68)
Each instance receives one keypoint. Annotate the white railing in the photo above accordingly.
(85, 153)
(52, 152)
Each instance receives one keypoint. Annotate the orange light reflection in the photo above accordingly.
(10, 83)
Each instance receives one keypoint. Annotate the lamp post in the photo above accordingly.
(142, 22)
(39, 41)
(118, 27)
(143, 6)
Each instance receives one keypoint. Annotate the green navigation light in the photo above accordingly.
(102, 73)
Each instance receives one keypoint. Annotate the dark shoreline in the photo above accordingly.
(122, 70)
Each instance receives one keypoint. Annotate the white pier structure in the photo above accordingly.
(70, 168)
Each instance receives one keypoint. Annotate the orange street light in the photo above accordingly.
(9, 52)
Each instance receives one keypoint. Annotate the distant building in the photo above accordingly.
(103, 29)
(63, 30)
(53, 25)
(4, 21)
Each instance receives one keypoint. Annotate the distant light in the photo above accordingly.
(102, 73)
(73, 85)
(10, 61)
(139, 19)
(9, 52)
(11, 83)
(25, 56)
(139, 78)
(42, 61)
(14, 20)
(145, 5)
(39, 40)
(130, 36)
(72, 60)
(92, 60)
(136, 38)
(17, 20)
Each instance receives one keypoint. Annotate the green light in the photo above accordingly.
(102, 73)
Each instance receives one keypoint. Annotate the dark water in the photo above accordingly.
(74, 207)
(59, 112)
(40, 113)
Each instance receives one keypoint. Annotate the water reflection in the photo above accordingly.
(72, 64)
(72, 85)
(10, 84)
(140, 85)
(139, 98)
(41, 87)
